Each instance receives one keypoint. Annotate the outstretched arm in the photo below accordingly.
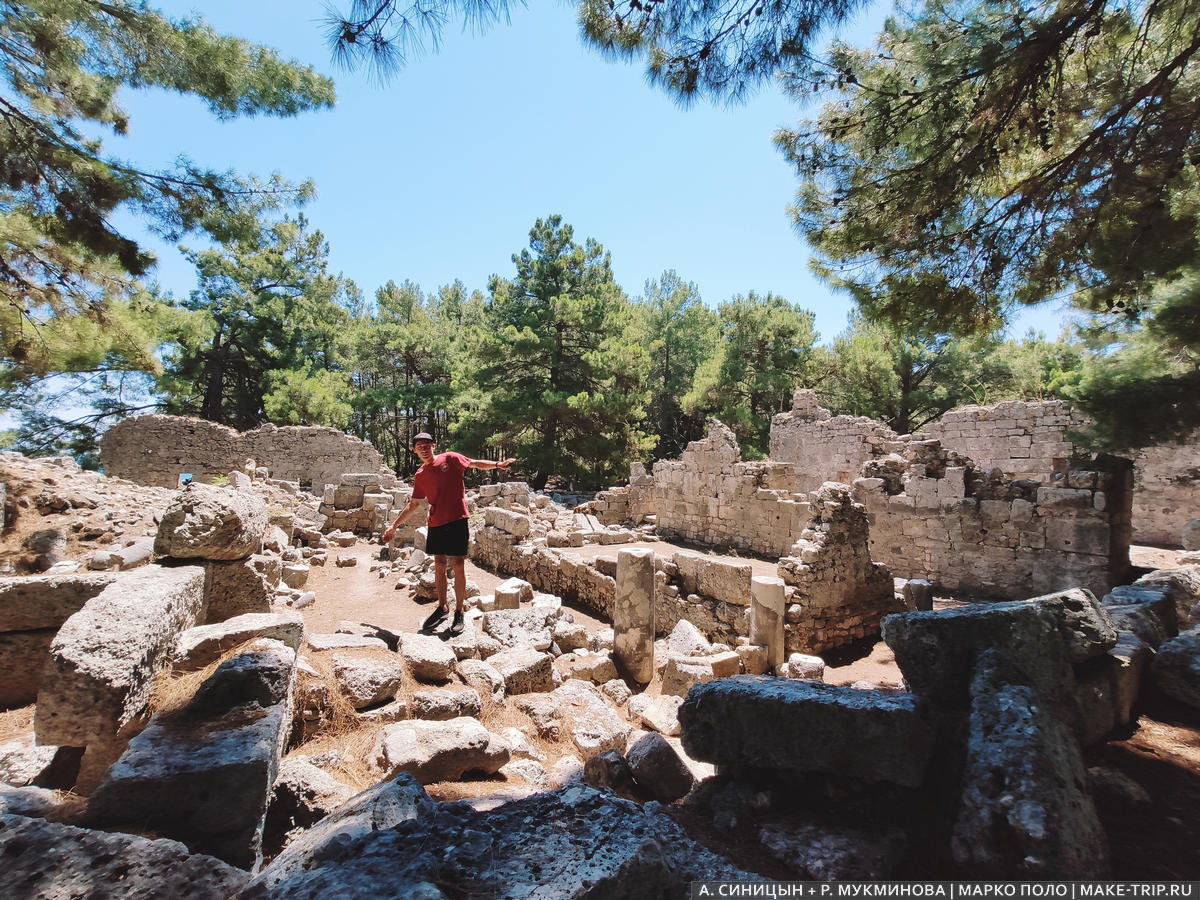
(489, 464)
(408, 510)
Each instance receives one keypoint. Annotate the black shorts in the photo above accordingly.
(451, 539)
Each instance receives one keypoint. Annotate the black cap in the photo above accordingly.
(423, 436)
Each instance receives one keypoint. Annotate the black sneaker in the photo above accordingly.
(434, 617)
(457, 626)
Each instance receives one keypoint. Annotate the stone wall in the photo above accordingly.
(934, 515)
(1166, 491)
(156, 450)
(821, 446)
(1022, 439)
(711, 497)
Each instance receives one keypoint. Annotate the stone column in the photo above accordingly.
(633, 614)
(766, 617)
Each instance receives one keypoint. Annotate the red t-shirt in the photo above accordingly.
(441, 483)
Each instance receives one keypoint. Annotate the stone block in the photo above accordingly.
(514, 523)
(204, 775)
(438, 751)
(511, 593)
(657, 768)
(199, 646)
(681, 673)
(633, 614)
(206, 522)
(104, 659)
(49, 859)
(808, 727)
(725, 581)
(766, 617)
(233, 588)
(1175, 669)
(46, 601)
(524, 669)
(427, 657)
(23, 656)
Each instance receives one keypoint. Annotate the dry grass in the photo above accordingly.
(173, 690)
(16, 723)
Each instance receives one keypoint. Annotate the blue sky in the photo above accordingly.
(439, 174)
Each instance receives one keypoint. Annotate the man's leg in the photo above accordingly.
(460, 593)
(439, 580)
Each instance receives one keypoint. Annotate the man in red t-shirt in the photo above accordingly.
(440, 482)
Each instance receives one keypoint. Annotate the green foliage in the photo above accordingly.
(765, 346)
(993, 152)
(265, 304)
(298, 398)
(67, 269)
(679, 332)
(556, 383)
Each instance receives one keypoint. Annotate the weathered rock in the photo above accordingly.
(586, 665)
(1147, 612)
(528, 770)
(47, 859)
(680, 675)
(521, 627)
(1026, 811)
(936, 651)
(203, 776)
(662, 714)
(295, 575)
(235, 587)
(802, 665)
(766, 617)
(590, 844)
(658, 769)
(633, 615)
(617, 691)
(544, 714)
(427, 657)
(588, 719)
(23, 656)
(483, 677)
(303, 795)
(376, 809)
(344, 642)
(207, 522)
(1175, 669)
(807, 726)
(686, 639)
(511, 593)
(1182, 587)
(22, 763)
(199, 646)
(610, 771)
(367, 678)
(569, 636)
(828, 852)
(524, 670)
(438, 751)
(105, 657)
(46, 601)
(451, 703)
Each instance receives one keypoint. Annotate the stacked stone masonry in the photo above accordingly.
(1025, 440)
(156, 450)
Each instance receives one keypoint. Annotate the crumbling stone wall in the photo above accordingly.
(821, 446)
(156, 449)
(1166, 491)
(933, 514)
(711, 497)
(1022, 439)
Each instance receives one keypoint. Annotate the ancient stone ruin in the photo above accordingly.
(162, 640)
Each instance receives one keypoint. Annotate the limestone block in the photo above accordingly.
(21, 764)
(936, 650)
(767, 617)
(484, 678)
(803, 665)
(657, 768)
(233, 588)
(1026, 810)
(569, 636)
(199, 646)
(686, 639)
(1086, 627)
(438, 751)
(104, 659)
(681, 673)
(808, 726)
(1078, 536)
(1146, 611)
(596, 667)
(662, 714)
(23, 656)
(519, 627)
(321, 642)
(514, 523)
(524, 669)
(451, 703)
(204, 776)
(347, 496)
(591, 722)
(1175, 669)
(617, 691)
(134, 554)
(754, 658)
(725, 581)
(427, 657)
(46, 601)
(610, 771)
(367, 679)
(294, 575)
(633, 614)
(206, 522)
(49, 859)
(1182, 588)
(302, 795)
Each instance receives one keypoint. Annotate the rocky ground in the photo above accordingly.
(1147, 783)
